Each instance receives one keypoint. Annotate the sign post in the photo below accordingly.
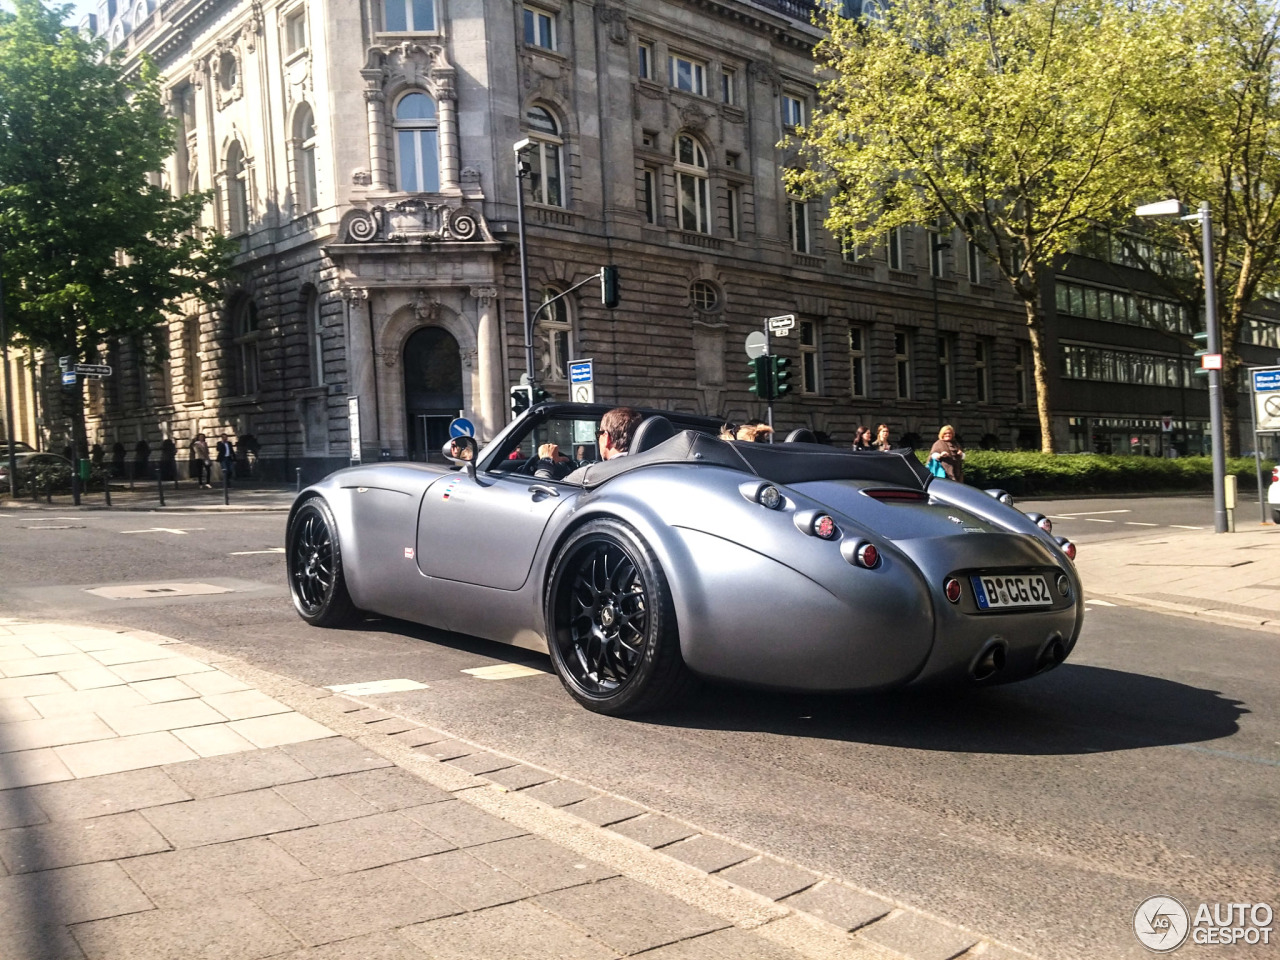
(582, 387)
(1266, 417)
(353, 427)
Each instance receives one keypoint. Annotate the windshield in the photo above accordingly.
(573, 438)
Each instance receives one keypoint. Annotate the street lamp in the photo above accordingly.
(522, 171)
(936, 246)
(1174, 208)
(8, 400)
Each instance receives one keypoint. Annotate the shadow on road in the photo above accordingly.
(1074, 709)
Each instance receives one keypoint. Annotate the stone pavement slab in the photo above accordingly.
(326, 801)
(462, 824)
(541, 864)
(91, 891)
(518, 777)
(215, 740)
(471, 883)
(52, 845)
(360, 844)
(330, 757)
(280, 729)
(30, 767)
(919, 937)
(391, 788)
(388, 945)
(603, 811)
(560, 793)
(653, 830)
(216, 776)
(772, 878)
(839, 905)
(729, 944)
(197, 874)
(708, 853)
(514, 931)
(53, 732)
(234, 928)
(482, 762)
(232, 817)
(105, 795)
(124, 753)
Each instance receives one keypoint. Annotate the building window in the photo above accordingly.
(893, 251)
(939, 243)
(649, 195)
(688, 75)
(417, 153)
(546, 173)
(798, 225)
(728, 78)
(244, 321)
(315, 331)
(1021, 364)
(237, 190)
(193, 388)
(295, 31)
(691, 185)
(902, 362)
(539, 28)
(410, 16)
(792, 111)
(644, 60)
(975, 262)
(734, 210)
(946, 356)
(304, 159)
(858, 361)
(810, 358)
(704, 296)
(554, 333)
(982, 369)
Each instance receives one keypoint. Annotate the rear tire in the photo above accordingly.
(611, 624)
(314, 561)
(1275, 515)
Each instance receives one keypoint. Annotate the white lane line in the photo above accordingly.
(250, 553)
(1096, 520)
(1091, 513)
(1183, 527)
(377, 686)
(503, 671)
(163, 530)
(1139, 523)
(1099, 603)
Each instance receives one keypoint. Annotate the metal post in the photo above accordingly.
(75, 478)
(1215, 376)
(524, 264)
(160, 485)
(8, 397)
(226, 485)
(1257, 453)
(298, 471)
(106, 485)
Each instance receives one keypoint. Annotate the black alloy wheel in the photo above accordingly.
(316, 580)
(613, 637)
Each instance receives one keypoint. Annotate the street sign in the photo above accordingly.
(781, 326)
(757, 344)
(580, 371)
(65, 363)
(1166, 424)
(582, 388)
(353, 427)
(1211, 361)
(68, 378)
(1266, 398)
(462, 427)
(92, 369)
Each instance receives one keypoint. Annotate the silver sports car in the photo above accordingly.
(791, 565)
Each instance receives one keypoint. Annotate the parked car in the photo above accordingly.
(790, 565)
(56, 469)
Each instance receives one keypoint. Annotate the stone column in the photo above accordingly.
(447, 104)
(490, 398)
(373, 101)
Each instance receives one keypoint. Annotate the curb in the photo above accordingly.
(1189, 611)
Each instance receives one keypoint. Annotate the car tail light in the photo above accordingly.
(1041, 521)
(952, 589)
(860, 553)
(1275, 474)
(824, 526)
(1067, 546)
(1000, 495)
(889, 495)
(765, 494)
(1064, 585)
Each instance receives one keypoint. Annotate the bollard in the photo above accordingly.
(48, 490)
(160, 485)
(298, 472)
(226, 486)
(75, 482)
(106, 487)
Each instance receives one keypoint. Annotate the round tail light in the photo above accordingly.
(952, 588)
(825, 527)
(770, 497)
(1068, 547)
(868, 556)
(1041, 521)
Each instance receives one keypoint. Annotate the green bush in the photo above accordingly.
(1025, 473)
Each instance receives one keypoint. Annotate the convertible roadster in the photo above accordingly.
(790, 565)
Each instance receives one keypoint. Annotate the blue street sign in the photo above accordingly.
(69, 378)
(1266, 380)
(580, 371)
(462, 427)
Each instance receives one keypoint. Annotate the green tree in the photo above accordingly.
(91, 247)
(1020, 123)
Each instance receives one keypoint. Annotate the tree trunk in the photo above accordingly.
(1035, 325)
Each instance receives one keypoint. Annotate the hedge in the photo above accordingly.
(1025, 473)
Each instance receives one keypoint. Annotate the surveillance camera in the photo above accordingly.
(522, 145)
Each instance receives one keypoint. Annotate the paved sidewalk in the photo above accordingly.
(185, 497)
(161, 801)
(1228, 577)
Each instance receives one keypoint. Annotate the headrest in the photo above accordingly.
(801, 435)
(650, 433)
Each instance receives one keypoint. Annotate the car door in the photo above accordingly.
(486, 529)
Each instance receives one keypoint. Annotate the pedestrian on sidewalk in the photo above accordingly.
(201, 467)
(227, 458)
(949, 454)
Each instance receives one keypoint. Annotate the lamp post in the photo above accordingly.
(8, 399)
(936, 246)
(522, 171)
(1172, 208)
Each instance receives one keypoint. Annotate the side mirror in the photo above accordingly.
(462, 451)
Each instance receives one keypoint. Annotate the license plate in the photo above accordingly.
(1006, 591)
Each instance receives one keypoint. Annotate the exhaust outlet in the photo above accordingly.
(1051, 654)
(989, 661)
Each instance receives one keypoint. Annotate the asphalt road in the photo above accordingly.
(1041, 814)
(1098, 518)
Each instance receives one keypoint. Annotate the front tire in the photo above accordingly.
(316, 579)
(611, 624)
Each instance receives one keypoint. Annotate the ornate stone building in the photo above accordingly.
(361, 154)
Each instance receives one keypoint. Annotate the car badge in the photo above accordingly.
(408, 553)
(955, 520)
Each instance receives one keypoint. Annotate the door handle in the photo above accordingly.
(543, 488)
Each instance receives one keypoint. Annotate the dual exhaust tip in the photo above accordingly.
(990, 661)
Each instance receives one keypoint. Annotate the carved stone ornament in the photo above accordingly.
(484, 295)
(410, 64)
(417, 221)
(762, 71)
(253, 28)
(616, 22)
(469, 358)
(226, 67)
(352, 294)
(693, 117)
(361, 177)
(426, 309)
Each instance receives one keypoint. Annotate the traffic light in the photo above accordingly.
(540, 395)
(758, 377)
(521, 399)
(780, 377)
(1202, 342)
(610, 292)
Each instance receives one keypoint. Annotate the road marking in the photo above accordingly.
(1090, 513)
(164, 530)
(1182, 527)
(250, 553)
(150, 591)
(377, 686)
(1096, 520)
(504, 671)
(1139, 523)
(1100, 603)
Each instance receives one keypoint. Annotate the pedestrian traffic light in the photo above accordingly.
(1202, 341)
(780, 377)
(521, 399)
(540, 395)
(610, 292)
(758, 377)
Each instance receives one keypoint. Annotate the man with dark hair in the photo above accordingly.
(617, 429)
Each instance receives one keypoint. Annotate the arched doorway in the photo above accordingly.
(432, 390)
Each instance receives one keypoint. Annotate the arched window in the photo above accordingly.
(691, 185)
(139, 14)
(417, 154)
(546, 171)
(237, 190)
(315, 330)
(304, 159)
(555, 337)
(245, 335)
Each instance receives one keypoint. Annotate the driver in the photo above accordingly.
(617, 428)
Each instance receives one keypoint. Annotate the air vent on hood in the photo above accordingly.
(896, 495)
